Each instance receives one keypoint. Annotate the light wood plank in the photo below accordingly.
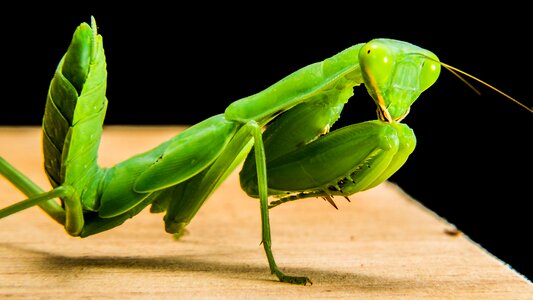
(382, 245)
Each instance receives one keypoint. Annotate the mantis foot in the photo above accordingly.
(302, 280)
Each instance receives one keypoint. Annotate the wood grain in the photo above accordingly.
(382, 245)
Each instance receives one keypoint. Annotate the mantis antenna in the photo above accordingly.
(457, 72)
(454, 71)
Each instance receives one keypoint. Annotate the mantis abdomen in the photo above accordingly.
(74, 114)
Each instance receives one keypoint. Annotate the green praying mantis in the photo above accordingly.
(281, 136)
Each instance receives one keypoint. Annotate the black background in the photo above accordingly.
(180, 65)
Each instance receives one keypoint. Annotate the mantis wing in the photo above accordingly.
(173, 162)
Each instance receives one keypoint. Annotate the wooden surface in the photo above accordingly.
(381, 245)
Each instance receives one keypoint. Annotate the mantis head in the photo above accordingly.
(395, 73)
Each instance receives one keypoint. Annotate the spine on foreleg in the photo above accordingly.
(74, 113)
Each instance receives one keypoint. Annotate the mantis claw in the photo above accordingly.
(329, 199)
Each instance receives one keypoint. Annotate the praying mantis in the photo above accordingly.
(281, 136)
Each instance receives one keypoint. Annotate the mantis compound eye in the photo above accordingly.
(377, 63)
(429, 73)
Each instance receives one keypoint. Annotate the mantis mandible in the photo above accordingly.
(281, 136)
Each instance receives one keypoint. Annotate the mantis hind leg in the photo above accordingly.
(30, 189)
(71, 217)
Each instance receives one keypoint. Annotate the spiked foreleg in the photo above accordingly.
(346, 161)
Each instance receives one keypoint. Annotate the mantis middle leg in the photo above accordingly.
(188, 197)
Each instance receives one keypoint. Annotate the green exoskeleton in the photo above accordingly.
(287, 125)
